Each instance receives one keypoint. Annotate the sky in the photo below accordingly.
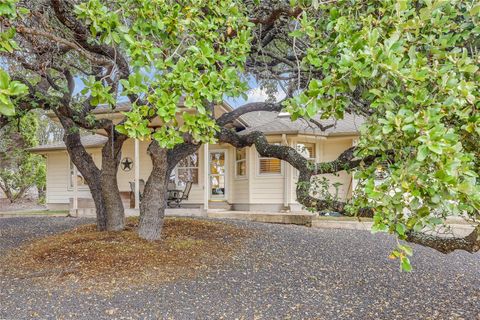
(256, 94)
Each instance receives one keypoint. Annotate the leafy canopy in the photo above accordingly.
(19, 169)
(9, 90)
(413, 68)
(192, 50)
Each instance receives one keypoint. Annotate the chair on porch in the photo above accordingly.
(175, 197)
(141, 188)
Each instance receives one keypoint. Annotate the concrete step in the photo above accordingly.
(304, 219)
(223, 205)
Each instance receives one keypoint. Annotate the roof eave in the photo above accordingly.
(44, 150)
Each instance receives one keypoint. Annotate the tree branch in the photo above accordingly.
(285, 11)
(72, 45)
(470, 243)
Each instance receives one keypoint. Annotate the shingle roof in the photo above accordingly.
(106, 108)
(273, 123)
(90, 141)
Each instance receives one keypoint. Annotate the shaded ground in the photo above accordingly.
(106, 262)
(283, 272)
(20, 205)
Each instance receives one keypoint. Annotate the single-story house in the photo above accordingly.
(223, 177)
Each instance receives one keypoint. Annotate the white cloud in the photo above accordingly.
(260, 95)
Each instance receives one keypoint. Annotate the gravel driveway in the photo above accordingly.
(286, 272)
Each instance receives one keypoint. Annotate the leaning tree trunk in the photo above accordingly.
(152, 207)
(102, 183)
(85, 164)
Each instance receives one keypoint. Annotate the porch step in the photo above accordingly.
(304, 219)
(221, 205)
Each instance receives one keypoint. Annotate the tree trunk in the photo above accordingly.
(20, 194)
(114, 210)
(96, 191)
(8, 193)
(86, 166)
(41, 193)
(102, 183)
(152, 207)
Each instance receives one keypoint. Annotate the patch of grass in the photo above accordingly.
(111, 260)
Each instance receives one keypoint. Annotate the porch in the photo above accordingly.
(223, 178)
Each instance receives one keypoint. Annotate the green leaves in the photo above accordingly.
(8, 9)
(402, 253)
(411, 68)
(98, 91)
(20, 169)
(186, 59)
(6, 40)
(422, 153)
(9, 90)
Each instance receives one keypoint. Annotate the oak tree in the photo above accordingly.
(410, 68)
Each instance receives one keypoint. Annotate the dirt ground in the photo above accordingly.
(279, 272)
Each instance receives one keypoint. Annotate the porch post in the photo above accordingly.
(75, 191)
(137, 174)
(286, 177)
(353, 182)
(206, 181)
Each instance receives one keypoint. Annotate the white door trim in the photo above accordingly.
(225, 175)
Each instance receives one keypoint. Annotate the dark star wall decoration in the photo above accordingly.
(127, 164)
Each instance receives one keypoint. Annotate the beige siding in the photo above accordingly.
(265, 188)
(58, 190)
(241, 185)
(332, 149)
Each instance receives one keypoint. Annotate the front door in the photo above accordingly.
(217, 175)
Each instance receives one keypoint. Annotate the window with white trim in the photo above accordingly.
(186, 170)
(241, 162)
(269, 165)
(81, 183)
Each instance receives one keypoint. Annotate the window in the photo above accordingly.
(270, 165)
(81, 183)
(186, 170)
(307, 150)
(241, 162)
